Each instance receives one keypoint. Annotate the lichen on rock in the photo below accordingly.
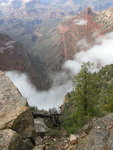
(16, 119)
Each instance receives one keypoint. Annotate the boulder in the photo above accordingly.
(10, 140)
(73, 139)
(40, 126)
(100, 136)
(15, 112)
(28, 144)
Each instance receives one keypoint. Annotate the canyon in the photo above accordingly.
(42, 46)
(47, 44)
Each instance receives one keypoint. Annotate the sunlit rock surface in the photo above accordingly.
(15, 112)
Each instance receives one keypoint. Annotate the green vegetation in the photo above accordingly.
(92, 97)
(54, 133)
(34, 109)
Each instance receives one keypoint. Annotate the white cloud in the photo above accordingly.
(100, 54)
(80, 22)
(42, 99)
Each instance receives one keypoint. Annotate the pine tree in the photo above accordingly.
(86, 90)
(83, 102)
(92, 97)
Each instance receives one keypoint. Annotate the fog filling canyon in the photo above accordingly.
(101, 54)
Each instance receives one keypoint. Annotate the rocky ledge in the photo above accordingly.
(95, 135)
(16, 120)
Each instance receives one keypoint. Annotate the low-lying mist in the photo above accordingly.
(42, 99)
(100, 54)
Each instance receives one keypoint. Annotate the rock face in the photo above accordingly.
(67, 38)
(74, 34)
(40, 126)
(15, 114)
(10, 140)
(96, 135)
(100, 137)
(14, 57)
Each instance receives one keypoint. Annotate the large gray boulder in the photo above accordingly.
(15, 112)
(99, 135)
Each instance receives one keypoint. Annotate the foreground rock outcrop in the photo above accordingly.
(99, 135)
(15, 116)
(95, 135)
(10, 140)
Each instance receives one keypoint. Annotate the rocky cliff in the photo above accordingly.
(61, 42)
(14, 57)
(57, 43)
(16, 120)
(98, 135)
